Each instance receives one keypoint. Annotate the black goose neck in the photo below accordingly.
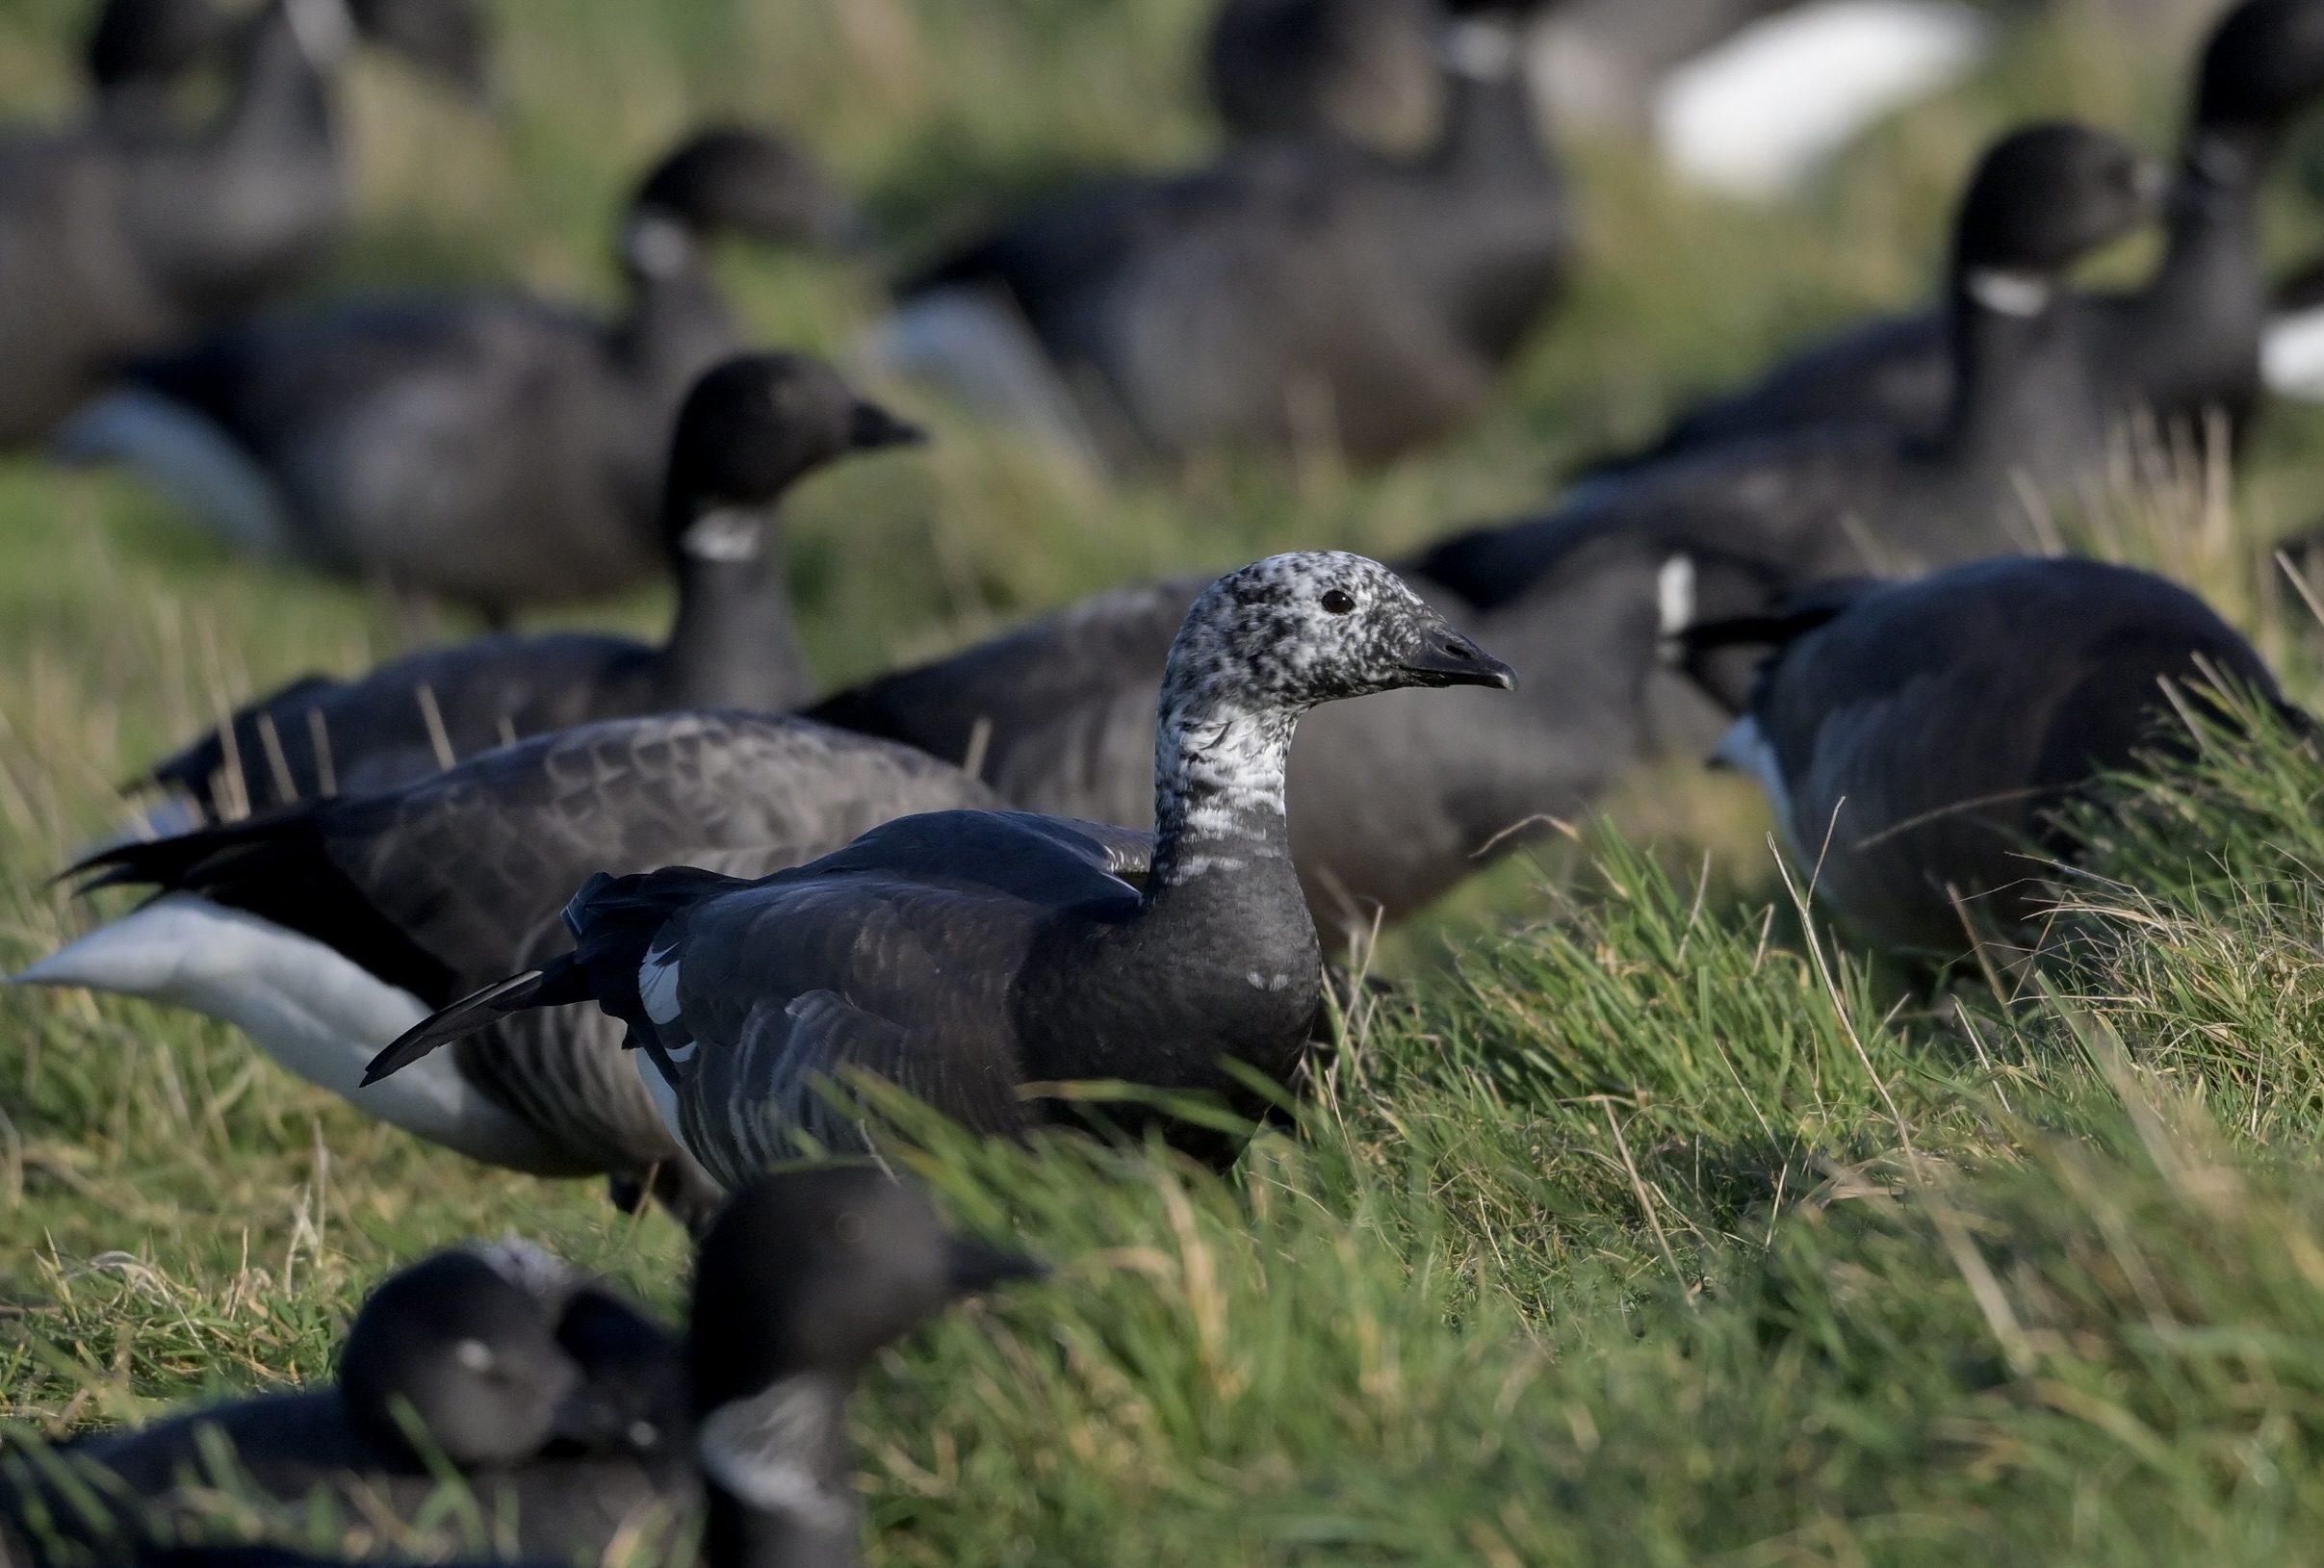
(1489, 130)
(2003, 324)
(734, 644)
(676, 318)
(735, 1534)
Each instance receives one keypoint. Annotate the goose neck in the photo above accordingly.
(677, 319)
(774, 1466)
(2004, 324)
(1219, 771)
(1490, 129)
(282, 97)
(734, 644)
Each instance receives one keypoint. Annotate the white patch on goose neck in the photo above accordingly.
(726, 534)
(2006, 293)
(1481, 50)
(768, 1449)
(1219, 780)
(658, 247)
(1674, 595)
(324, 28)
(529, 1266)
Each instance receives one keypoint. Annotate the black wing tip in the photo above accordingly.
(465, 1017)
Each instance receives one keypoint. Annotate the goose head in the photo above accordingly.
(149, 41)
(447, 38)
(2263, 65)
(2043, 197)
(1294, 630)
(735, 180)
(750, 429)
(466, 1350)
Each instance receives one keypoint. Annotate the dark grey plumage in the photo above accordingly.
(118, 240)
(964, 954)
(1393, 798)
(430, 890)
(1916, 739)
(1304, 291)
(496, 449)
(749, 430)
(2185, 342)
(1837, 501)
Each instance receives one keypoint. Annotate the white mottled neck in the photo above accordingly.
(1219, 787)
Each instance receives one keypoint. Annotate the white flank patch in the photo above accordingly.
(317, 1013)
(2291, 355)
(958, 343)
(183, 453)
(1757, 115)
(1746, 750)
(658, 985)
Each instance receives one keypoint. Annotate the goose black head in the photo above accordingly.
(1360, 68)
(446, 38)
(149, 41)
(738, 181)
(469, 1350)
(2264, 63)
(815, 1270)
(751, 427)
(2046, 195)
(1311, 627)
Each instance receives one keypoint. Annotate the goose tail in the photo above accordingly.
(563, 981)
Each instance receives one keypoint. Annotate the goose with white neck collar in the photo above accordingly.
(2188, 341)
(962, 955)
(125, 236)
(1765, 516)
(749, 430)
(493, 450)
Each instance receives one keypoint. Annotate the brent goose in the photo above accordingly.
(965, 955)
(1844, 499)
(493, 449)
(803, 1278)
(2187, 342)
(1393, 798)
(117, 240)
(1303, 292)
(750, 429)
(329, 929)
(1916, 739)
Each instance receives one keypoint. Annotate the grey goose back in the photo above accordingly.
(327, 930)
(493, 450)
(124, 237)
(1917, 739)
(495, 1360)
(1846, 499)
(963, 955)
(1303, 294)
(749, 430)
(1393, 798)
(2187, 341)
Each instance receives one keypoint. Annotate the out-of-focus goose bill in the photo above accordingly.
(870, 425)
(976, 1265)
(1447, 658)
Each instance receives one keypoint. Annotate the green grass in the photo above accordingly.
(1641, 1224)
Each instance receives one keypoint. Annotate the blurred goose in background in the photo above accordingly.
(493, 449)
(1747, 98)
(1303, 294)
(750, 429)
(135, 54)
(806, 1276)
(2185, 342)
(456, 1359)
(1394, 798)
(1764, 517)
(326, 930)
(117, 240)
(964, 955)
(1917, 739)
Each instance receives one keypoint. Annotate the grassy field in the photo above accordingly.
(1647, 1223)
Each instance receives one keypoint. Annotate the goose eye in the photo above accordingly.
(1338, 601)
(849, 1228)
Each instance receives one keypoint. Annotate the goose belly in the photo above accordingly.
(309, 1007)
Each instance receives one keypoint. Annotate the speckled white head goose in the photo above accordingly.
(962, 955)
(119, 238)
(1915, 738)
(327, 930)
(491, 449)
(750, 429)
(1393, 798)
